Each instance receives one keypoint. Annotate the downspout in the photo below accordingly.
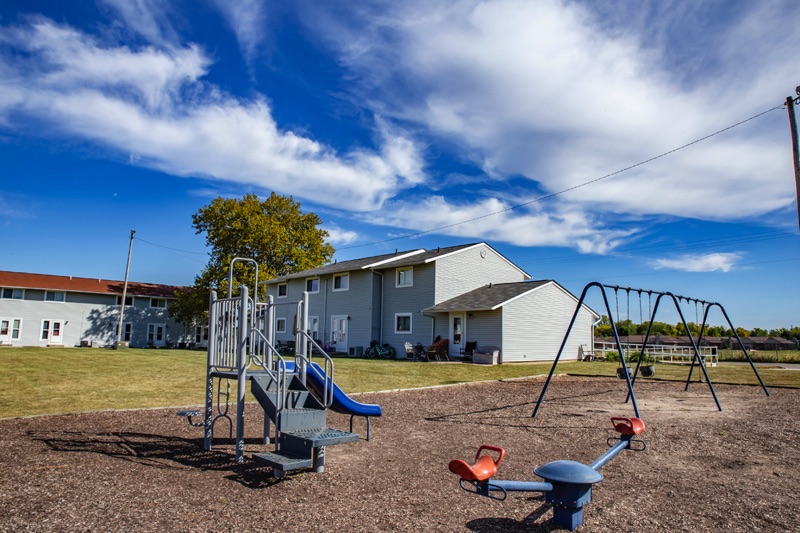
(380, 314)
(433, 325)
(594, 325)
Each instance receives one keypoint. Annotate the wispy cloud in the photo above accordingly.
(153, 105)
(247, 20)
(718, 262)
(339, 236)
(148, 18)
(560, 94)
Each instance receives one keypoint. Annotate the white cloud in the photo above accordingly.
(723, 262)
(153, 103)
(148, 18)
(339, 236)
(550, 91)
(521, 227)
(247, 19)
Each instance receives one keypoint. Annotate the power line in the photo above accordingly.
(170, 248)
(563, 191)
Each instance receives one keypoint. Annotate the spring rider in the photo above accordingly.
(567, 485)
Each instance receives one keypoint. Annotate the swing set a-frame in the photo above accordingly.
(696, 358)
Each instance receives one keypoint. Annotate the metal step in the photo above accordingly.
(316, 437)
(282, 462)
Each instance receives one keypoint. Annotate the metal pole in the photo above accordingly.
(241, 376)
(208, 422)
(125, 290)
(795, 146)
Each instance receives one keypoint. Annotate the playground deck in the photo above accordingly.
(147, 470)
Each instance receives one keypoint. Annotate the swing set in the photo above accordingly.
(695, 343)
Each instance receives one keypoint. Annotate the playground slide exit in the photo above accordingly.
(342, 403)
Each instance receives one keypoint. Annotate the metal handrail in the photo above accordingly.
(280, 368)
(327, 392)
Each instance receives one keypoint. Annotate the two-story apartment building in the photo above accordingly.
(462, 293)
(47, 310)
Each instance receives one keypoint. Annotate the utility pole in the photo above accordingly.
(124, 293)
(795, 148)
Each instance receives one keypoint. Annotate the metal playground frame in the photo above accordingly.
(696, 358)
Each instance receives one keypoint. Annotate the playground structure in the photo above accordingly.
(696, 357)
(567, 485)
(295, 394)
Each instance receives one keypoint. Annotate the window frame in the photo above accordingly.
(119, 300)
(278, 321)
(410, 323)
(158, 300)
(311, 280)
(343, 275)
(398, 271)
(13, 290)
(55, 296)
(285, 294)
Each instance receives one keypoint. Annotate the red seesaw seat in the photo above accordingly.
(628, 426)
(482, 469)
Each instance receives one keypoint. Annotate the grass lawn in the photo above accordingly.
(59, 380)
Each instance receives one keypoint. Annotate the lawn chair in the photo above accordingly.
(417, 352)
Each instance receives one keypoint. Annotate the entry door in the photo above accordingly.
(5, 330)
(155, 335)
(457, 333)
(339, 332)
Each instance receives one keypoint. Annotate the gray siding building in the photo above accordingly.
(462, 293)
(45, 310)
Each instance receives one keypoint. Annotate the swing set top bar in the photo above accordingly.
(660, 293)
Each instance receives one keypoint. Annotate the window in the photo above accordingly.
(280, 325)
(402, 323)
(158, 302)
(341, 282)
(283, 290)
(404, 277)
(54, 296)
(128, 300)
(312, 285)
(9, 329)
(126, 336)
(14, 294)
(313, 327)
(45, 330)
(200, 334)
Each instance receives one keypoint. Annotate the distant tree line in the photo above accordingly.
(627, 327)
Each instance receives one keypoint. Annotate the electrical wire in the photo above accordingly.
(568, 189)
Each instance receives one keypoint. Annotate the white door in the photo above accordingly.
(5, 330)
(52, 331)
(339, 333)
(457, 333)
(155, 335)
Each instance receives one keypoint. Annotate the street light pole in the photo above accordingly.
(124, 292)
(795, 148)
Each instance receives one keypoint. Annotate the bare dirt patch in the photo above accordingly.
(146, 470)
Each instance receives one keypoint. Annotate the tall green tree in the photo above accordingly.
(274, 232)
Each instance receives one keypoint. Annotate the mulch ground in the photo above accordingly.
(146, 470)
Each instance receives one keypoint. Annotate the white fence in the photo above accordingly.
(662, 353)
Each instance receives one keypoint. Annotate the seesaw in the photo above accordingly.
(567, 485)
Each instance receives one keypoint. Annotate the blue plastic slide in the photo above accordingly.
(342, 403)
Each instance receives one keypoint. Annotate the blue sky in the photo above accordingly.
(449, 122)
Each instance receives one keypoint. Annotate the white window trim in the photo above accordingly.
(11, 320)
(306, 286)
(278, 290)
(12, 289)
(64, 299)
(50, 321)
(311, 331)
(397, 276)
(410, 323)
(278, 325)
(333, 285)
